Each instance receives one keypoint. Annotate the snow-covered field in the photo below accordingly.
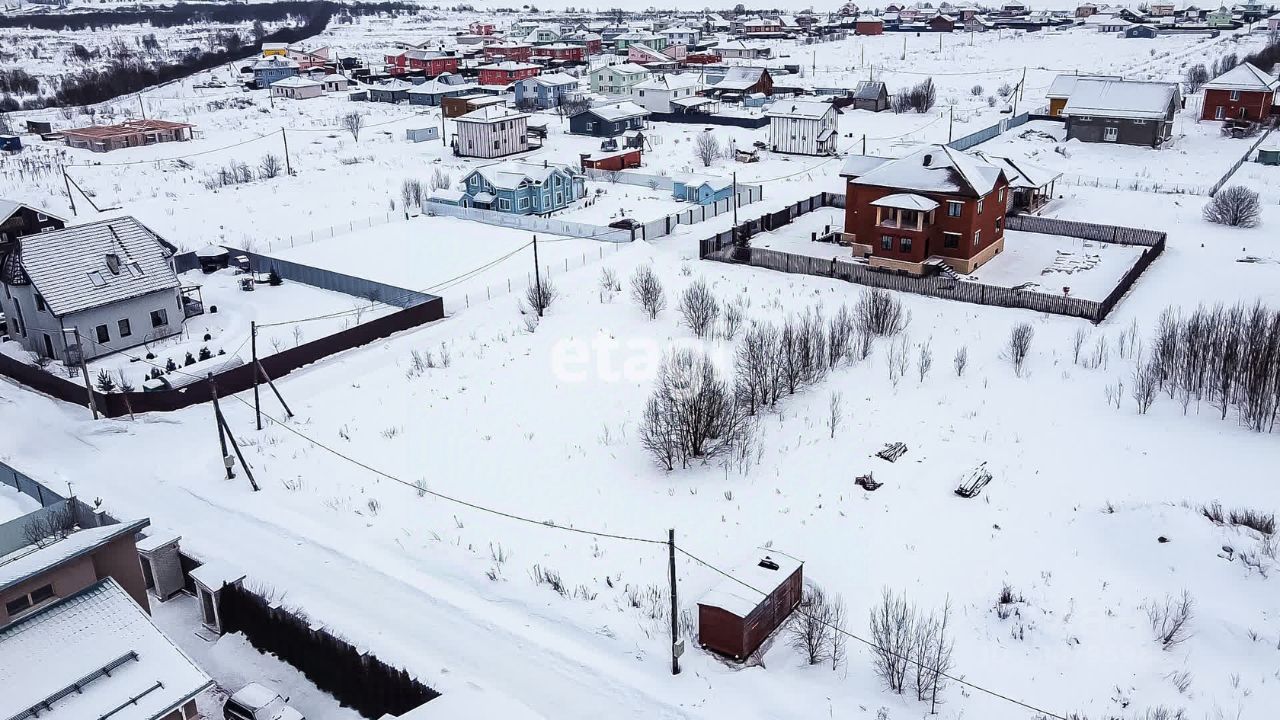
(14, 504)
(541, 420)
(1055, 264)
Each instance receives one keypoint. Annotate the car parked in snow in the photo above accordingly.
(259, 702)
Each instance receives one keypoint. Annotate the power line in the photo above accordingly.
(878, 648)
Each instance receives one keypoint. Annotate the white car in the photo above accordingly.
(259, 702)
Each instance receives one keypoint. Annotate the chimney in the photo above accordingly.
(928, 159)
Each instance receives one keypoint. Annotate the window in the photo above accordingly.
(97, 279)
(950, 240)
(41, 217)
(159, 318)
(886, 242)
(999, 223)
(39, 302)
(523, 203)
(905, 245)
(495, 144)
(1219, 113)
(1001, 194)
(103, 335)
(1110, 134)
(979, 207)
(977, 238)
(1235, 96)
(125, 330)
(954, 208)
(25, 602)
(504, 204)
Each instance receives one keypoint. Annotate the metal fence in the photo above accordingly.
(1139, 184)
(718, 248)
(770, 221)
(329, 232)
(531, 223)
(13, 534)
(985, 134)
(699, 213)
(335, 281)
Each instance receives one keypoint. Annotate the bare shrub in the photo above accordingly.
(693, 414)
(922, 96)
(540, 294)
(647, 291)
(1263, 522)
(699, 308)
(731, 320)
(1019, 345)
(352, 122)
(809, 630)
(892, 627)
(961, 360)
(840, 335)
(835, 412)
(1171, 619)
(1146, 382)
(1236, 206)
(758, 367)
(49, 526)
(269, 166)
(880, 314)
(925, 360)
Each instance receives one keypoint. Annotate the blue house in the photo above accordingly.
(272, 69)
(608, 120)
(546, 91)
(522, 188)
(703, 191)
(433, 92)
(393, 91)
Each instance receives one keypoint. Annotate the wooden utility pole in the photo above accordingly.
(904, 46)
(71, 198)
(677, 648)
(142, 106)
(271, 384)
(537, 275)
(864, 143)
(735, 199)
(217, 418)
(253, 348)
(951, 124)
(84, 371)
(288, 169)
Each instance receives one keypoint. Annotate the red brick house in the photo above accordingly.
(505, 73)
(481, 28)
(516, 52)
(563, 52)
(868, 25)
(430, 62)
(1242, 93)
(934, 205)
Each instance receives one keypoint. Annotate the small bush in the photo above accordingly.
(1236, 206)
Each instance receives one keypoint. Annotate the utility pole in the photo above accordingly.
(951, 124)
(677, 647)
(142, 106)
(735, 199)
(84, 369)
(253, 345)
(71, 198)
(939, 42)
(904, 46)
(537, 275)
(222, 438)
(1022, 86)
(288, 169)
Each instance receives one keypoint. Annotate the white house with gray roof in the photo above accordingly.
(802, 127)
(111, 280)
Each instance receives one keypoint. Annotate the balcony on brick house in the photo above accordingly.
(904, 211)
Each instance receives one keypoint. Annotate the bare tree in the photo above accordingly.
(699, 308)
(809, 631)
(646, 289)
(269, 166)
(961, 360)
(1236, 206)
(49, 526)
(1196, 76)
(835, 412)
(893, 623)
(1077, 343)
(1019, 345)
(707, 148)
(757, 367)
(925, 361)
(731, 320)
(693, 414)
(440, 180)
(353, 122)
(1146, 383)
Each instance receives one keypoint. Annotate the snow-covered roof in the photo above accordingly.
(1121, 99)
(1022, 173)
(275, 61)
(553, 79)
(435, 87)
(625, 69)
(670, 82)
(935, 168)
(95, 654)
(869, 90)
(447, 194)
(620, 111)
(1062, 85)
(802, 109)
(858, 165)
(509, 66)
(869, 19)
(296, 82)
(73, 268)
(395, 85)
(9, 207)
(765, 574)
(214, 575)
(333, 77)
(906, 201)
(491, 114)
(211, 251)
(740, 78)
(511, 175)
(1244, 76)
(26, 563)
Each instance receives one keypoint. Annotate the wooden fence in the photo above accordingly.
(1243, 159)
(718, 248)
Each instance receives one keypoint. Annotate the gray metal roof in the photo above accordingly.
(868, 90)
(70, 267)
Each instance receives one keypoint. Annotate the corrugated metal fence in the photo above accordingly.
(699, 213)
(985, 134)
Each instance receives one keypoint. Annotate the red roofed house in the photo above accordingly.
(505, 73)
(430, 62)
(517, 52)
(934, 205)
(1242, 93)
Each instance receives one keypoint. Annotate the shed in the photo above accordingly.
(870, 95)
(10, 143)
(212, 258)
(737, 615)
(40, 127)
(1269, 155)
(611, 160)
(422, 134)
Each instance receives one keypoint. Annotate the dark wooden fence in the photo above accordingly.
(721, 249)
(769, 221)
(355, 678)
(753, 121)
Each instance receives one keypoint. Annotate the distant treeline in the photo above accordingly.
(184, 14)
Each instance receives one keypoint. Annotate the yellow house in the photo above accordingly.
(269, 49)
